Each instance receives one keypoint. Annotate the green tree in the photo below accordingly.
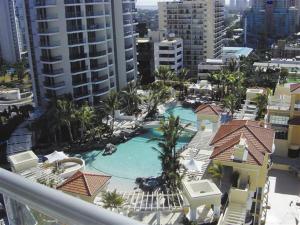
(112, 199)
(157, 94)
(131, 100)
(21, 69)
(284, 73)
(164, 73)
(231, 102)
(262, 103)
(170, 160)
(216, 172)
(112, 103)
(182, 78)
(66, 114)
(84, 115)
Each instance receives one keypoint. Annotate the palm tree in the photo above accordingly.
(182, 77)
(261, 102)
(216, 172)
(131, 99)
(158, 93)
(111, 105)
(112, 199)
(164, 73)
(230, 102)
(284, 73)
(170, 160)
(218, 79)
(66, 114)
(20, 68)
(85, 115)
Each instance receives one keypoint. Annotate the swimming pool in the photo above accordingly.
(136, 157)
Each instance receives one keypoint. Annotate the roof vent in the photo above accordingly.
(240, 153)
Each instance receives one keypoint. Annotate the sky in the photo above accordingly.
(150, 2)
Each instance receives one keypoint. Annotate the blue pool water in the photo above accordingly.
(185, 114)
(136, 157)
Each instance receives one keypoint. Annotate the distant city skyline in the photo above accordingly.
(153, 2)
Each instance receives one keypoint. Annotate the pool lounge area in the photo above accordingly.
(136, 157)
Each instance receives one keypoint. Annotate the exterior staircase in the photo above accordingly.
(235, 214)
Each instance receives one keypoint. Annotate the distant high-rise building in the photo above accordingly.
(269, 20)
(145, 58)
(199, 23)
(12, 44)
(84, 48)
(241, 5)
(232, 4)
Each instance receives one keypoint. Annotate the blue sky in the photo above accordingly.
(149, 2)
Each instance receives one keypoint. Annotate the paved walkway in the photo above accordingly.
(21, 138)
(284, 189)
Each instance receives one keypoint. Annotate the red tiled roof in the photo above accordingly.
(258, 137)
(294, 87)
(208, 109)
(84, 183)
(294, 121)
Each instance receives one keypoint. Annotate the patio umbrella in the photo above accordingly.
(56, 156)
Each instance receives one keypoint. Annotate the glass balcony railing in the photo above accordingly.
(29, 203)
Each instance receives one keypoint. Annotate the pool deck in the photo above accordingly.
(284, 189)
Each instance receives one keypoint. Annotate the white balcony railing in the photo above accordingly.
(26, 203)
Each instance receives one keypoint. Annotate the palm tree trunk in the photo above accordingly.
(70, 132)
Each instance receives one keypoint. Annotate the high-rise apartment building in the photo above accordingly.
(199, 23)
(267, 21)
(84, 48)
(12, 44)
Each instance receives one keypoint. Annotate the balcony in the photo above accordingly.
(96, 40)
(25, 195)
(55, 72)
(69, 2)
(98, 79)
(47, 17)
(75, 28)
(45, 3)
(78, 82)
(79, 69)
(78, 56)
(73, 42)
(54, 86)
(51, 59)
(94, 14)
(130, 78)
(95, 26)
(99, 66)
(49, 45)
(82, 94)
(70, 15)
(95, 1)
(49, 31)
(297, 106)
(100, 91)
(129, 68)
(97, 54)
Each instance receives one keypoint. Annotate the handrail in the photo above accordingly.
(65, 208)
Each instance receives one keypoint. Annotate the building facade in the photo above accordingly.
(12, 38)
(267, 21)
(169, 52)
(145, 58)
(199, 23)
(83, 48)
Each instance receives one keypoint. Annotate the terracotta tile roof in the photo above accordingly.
(84, 183)
(208, 109)
(258, 137)
(294, 87)
(294, 121)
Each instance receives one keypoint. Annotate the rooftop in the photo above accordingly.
(258, 137)
(84, 183)
(208, 109)
(237, 51)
